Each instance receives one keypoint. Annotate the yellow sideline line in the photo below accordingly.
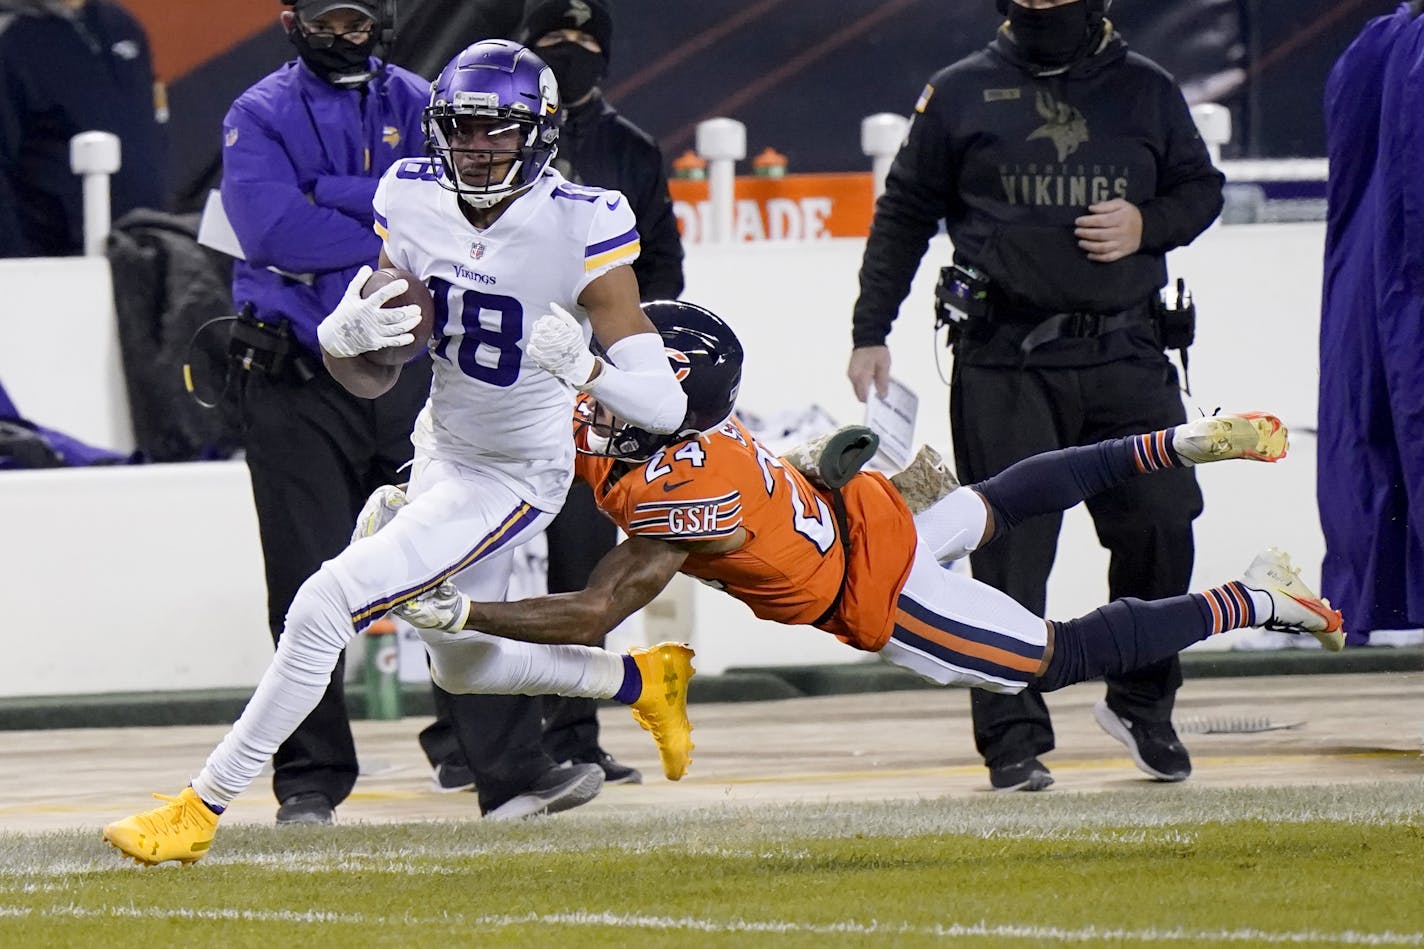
(1079, 764)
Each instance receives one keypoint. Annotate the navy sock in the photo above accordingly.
(1124, 635)
(632, 686)
(1056, 480)
(212, 807)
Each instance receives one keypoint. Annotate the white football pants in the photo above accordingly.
(461, 523)
(951, 628)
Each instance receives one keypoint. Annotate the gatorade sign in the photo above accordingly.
(791, 208)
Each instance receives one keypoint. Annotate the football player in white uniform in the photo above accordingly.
(522, 265)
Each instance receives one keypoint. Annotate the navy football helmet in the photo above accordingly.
(500, 82)
(706, 357)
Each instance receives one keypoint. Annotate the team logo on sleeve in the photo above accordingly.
(391, 135)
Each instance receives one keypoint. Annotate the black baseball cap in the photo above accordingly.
(311, 9)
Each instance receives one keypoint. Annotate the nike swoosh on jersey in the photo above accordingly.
(612, 203)
(675, 485)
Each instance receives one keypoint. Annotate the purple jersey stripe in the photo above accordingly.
(627, 237)
(510, 527)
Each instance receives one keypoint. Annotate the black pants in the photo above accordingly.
(315, 452)
(1003, 415)
(509, 740)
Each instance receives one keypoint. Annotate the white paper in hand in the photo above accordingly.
(893, 419)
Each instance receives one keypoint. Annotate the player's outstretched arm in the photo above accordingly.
(624, 581)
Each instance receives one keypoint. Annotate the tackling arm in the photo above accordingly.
(624, 581)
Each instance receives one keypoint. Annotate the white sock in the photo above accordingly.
(1182, 459)
(1265, 606)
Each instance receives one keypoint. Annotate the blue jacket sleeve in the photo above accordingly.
(349, 194)
(277, 223)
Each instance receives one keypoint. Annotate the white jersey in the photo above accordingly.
(490, 406)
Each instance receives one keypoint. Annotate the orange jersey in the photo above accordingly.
(790, 567)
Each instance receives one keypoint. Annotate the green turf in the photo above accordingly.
(1183, 866)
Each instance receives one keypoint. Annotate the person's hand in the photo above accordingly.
(869, 364)
(1111, 230)
(444, 607)
(557, 346)
(378, 510)
(361, 324)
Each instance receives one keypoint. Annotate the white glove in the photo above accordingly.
(444, 607)
(360, 325)
(378, 510)
(557, 346)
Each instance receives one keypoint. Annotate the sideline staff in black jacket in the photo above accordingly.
(1064, 167)
(71, 66)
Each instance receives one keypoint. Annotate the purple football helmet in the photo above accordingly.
(516, 96)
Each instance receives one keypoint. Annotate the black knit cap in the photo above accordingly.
(588, 16)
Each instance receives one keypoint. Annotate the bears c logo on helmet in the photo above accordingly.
(681, 365)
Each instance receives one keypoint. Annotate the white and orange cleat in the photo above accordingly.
(1257, 436)
(1296, 609)
(661, 708)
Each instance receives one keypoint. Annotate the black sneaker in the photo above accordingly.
(1154, 746)
(614, 771)
(306, 807)
(558, 789)
(451, 777)
(1029, 774)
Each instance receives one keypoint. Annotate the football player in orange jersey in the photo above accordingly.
(710, 501)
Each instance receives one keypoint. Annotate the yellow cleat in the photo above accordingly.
(181, 830)
(661, 708)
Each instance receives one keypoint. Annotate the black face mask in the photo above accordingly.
(342, 64)
(576, 69)
(1054, 36)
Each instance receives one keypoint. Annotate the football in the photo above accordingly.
(417, 293)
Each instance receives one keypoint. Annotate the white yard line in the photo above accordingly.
(981, 929)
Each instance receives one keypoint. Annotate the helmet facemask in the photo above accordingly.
(507, 95)
(517, 144)
(609, 436)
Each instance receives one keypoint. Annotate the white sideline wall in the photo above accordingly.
(149, 578)
(60, 359)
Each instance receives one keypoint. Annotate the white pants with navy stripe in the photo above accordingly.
(949, 627)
